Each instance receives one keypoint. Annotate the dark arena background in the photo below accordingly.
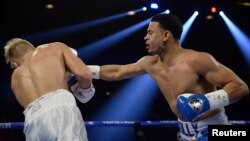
(112, 32)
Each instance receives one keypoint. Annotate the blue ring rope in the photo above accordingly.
(173, 123)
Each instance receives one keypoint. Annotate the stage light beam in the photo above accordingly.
(187, 25)
(91, 50)
(241, 39)
(130, 103)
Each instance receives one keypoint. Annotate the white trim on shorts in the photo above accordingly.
(46, 102)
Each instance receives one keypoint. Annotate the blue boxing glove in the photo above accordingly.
(192, 106)
(71, 79)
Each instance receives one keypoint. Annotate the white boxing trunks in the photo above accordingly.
(54, 117)
(198, 131)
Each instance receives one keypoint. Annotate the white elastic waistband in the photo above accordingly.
(47, 102)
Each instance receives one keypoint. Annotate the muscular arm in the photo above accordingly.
(77, 67)
(118, 72)
(222, 77)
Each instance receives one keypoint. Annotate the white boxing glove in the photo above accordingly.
(73, 51)
(83, 95)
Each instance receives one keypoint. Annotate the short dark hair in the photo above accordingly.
(169, 22)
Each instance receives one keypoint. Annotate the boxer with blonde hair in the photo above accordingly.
(39, 82)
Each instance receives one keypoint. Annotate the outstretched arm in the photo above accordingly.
(117, 72)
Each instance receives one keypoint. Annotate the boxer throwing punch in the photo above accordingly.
(39, 82)
(195, 85)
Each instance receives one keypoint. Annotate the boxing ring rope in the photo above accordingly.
(173, 123)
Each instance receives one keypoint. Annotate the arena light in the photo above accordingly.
(144, 8)
(154, 6)
(244, 3)
(131, 13)
(49, 6)
(213, 9)
(167, 11)
(221, 13)
(241, 39)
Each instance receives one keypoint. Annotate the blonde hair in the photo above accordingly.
(16, 48)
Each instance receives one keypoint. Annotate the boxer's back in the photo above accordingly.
(42, 71)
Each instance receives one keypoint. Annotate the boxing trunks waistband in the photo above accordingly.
(47, 102)
(192, 128)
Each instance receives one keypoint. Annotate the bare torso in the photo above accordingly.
(36, 77)
(177, 77)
